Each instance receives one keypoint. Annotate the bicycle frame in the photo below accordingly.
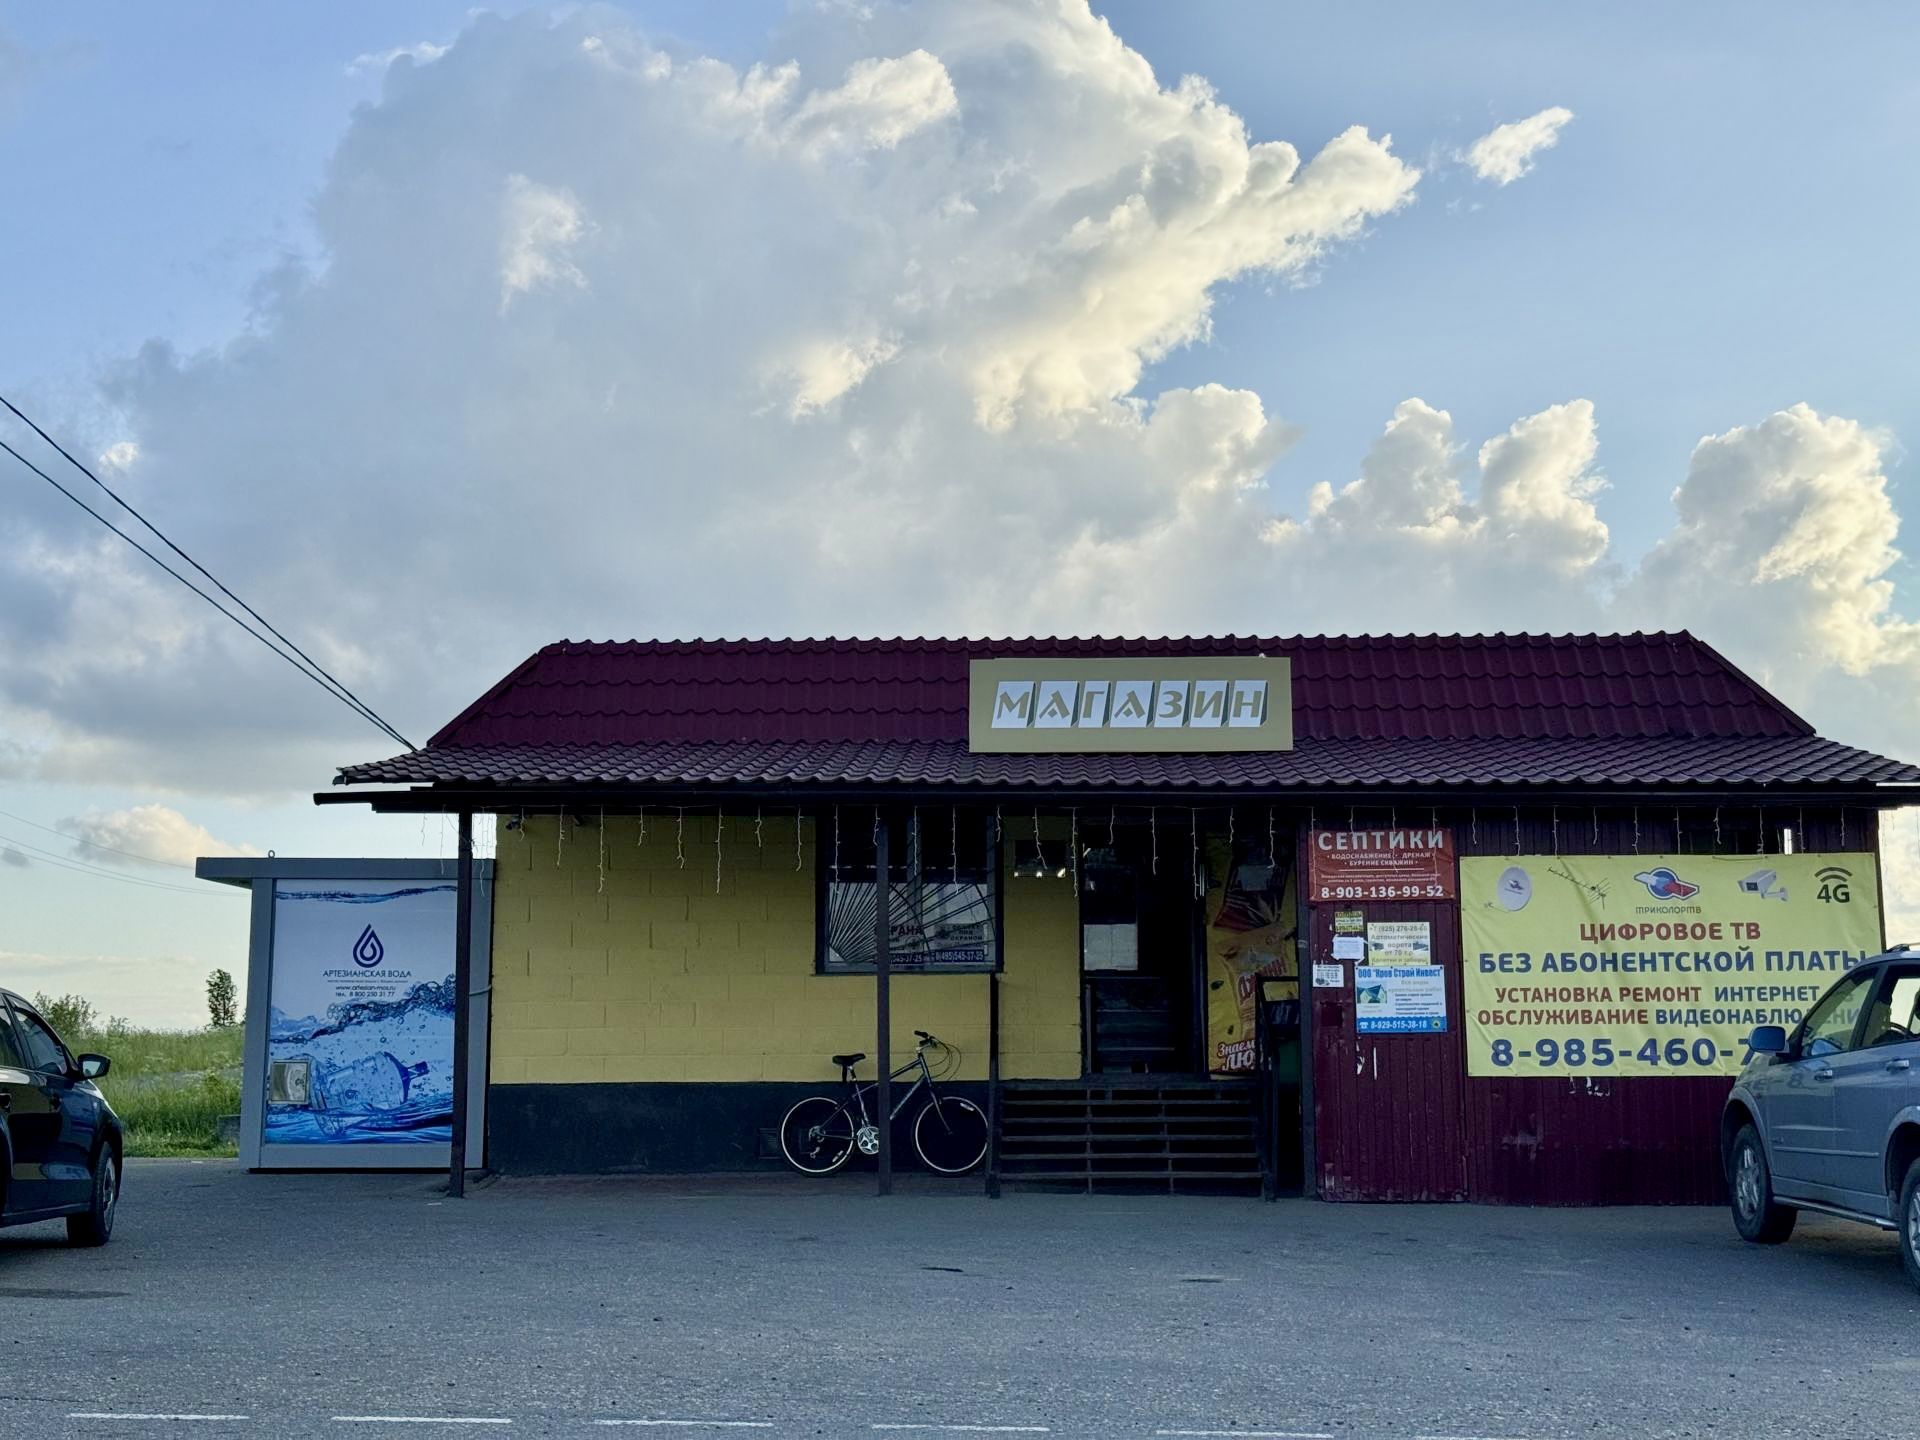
(857, 1097)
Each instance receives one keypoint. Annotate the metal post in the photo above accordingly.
(1303, 965)
(993, 1085)
(883, 999)
(462, 1006)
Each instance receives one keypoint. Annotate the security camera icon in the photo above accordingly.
(1765, 884)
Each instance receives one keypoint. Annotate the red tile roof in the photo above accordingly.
(940, 764)
(1368, 710)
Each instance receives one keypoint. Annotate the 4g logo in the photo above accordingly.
(1835, 885)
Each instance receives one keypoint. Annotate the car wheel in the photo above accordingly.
(1910, 1222)
(95, 1227)
(1755, 1215)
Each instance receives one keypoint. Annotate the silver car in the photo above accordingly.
(1828, 1118)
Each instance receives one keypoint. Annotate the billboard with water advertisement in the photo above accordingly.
(360, 1029)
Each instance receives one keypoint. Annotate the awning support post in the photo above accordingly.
(993, 1085)
(462, 1006)
(883, 999)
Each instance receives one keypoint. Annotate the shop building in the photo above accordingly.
(1376, 918)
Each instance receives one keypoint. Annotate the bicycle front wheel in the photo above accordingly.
(951, 1134)
(817, 1135)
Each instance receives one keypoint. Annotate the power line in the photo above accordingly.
(115, 496)
(95, 844)
(81, 867)
(312, 671)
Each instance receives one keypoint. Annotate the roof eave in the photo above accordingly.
(447, 796)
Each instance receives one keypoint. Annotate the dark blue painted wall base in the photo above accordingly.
(660, 1129)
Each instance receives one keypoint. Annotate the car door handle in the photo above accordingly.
(1823, 1074)
(6, 1099)
(1899, 1065)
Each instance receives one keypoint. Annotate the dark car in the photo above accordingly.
(1828, 1118)
(60, 1142)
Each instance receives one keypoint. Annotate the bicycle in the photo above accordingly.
(819, 1133)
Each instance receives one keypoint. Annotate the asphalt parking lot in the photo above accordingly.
(338, 1305)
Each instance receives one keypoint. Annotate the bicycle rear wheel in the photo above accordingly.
(816, 1137)
(951, 1134)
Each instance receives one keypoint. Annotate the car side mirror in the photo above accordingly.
(92, 1067)
(1767, 1040)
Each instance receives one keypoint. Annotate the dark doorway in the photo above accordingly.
(1139, 956)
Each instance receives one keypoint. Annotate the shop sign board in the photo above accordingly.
(1647, 965)
(1383, 864)
(1036, 705)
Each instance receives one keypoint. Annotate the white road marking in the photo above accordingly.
(421, 1420)
(969, 1429)
(146, 1415)
(698, 1424)
(1263, 1434)
(1463, 1437)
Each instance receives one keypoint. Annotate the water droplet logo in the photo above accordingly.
(367, 950)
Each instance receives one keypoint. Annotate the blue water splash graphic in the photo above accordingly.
(378, 1071)
(362, 897)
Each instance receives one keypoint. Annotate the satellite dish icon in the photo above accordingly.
(1515, 888)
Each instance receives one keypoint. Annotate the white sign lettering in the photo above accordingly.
(1173, 704)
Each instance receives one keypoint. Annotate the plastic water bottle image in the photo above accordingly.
(372, 1085)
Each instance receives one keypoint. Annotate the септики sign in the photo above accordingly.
(1390, 864)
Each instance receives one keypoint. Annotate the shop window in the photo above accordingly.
(944, 900)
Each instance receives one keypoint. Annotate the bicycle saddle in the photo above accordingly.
(845, 1060)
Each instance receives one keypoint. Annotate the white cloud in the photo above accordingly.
(862, 352)
(1506, 152)
(881, 104)
(144, 832)
(120, 455)
(1900, 876)
(538, 226)
(825, 370)
(375, 62)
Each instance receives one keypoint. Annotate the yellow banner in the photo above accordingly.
(1652, 964)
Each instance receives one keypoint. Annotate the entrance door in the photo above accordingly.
(1139, 955)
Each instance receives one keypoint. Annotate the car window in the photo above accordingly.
(1828, 1028)
(40, 1045)
(1890, 1018)
(9, 1047)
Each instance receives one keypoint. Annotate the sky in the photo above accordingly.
(443, 332)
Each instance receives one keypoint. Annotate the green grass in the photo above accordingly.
(170, 1087)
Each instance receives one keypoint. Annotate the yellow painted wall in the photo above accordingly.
(613, 962)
